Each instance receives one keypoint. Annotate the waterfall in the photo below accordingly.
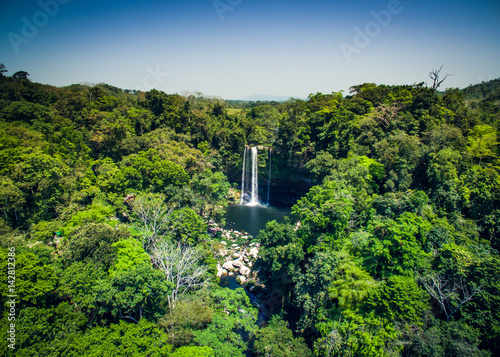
(255, 179)
(269, 180)
(243, 170)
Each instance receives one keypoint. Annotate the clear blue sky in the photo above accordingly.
(247, 47)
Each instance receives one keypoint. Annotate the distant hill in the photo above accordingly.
(482, 90)
(268, 98)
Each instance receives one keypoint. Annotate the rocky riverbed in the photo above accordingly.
(237, 255)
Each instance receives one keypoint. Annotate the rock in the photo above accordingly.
(223, 242)
(250, 264)
(236, 255)
(230, 273)
(241, 279)
(254, 252)
(228, 265)
(246, 260)
(234, 245)
(220, 271)
(245, 271)
(237, 264)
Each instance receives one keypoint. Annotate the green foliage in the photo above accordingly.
(351, 286)
(45, 331)
(76, 284)
(281, 252)
(32, 280)
(132, 294)
(187, 226)
(276, 339)
(123, 339)
(324, 214)
(129, 254)
(92, 242)
(193, 351)
(189, 315)
(310, 297)
(400, 299)
(357, 335)
(396, 246)
(447, 339)
(233, 312)
(220, 337)
(211, 194)
(408, 187)
(483, 142)
(95, 213)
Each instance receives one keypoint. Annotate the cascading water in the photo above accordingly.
(254, 200)
(243, 170)
(269, 179)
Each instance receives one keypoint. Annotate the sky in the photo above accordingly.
(238, 48)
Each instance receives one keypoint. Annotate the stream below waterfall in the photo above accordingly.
(251, 219)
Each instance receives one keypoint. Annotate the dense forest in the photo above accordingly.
(107, 197)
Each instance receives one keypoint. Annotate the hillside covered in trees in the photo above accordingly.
(391, 248)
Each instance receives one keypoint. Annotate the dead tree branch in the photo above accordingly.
(450, 295)
(435, 76)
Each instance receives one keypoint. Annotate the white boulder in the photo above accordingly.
(237, 264)
(254, 252)
(245, 271)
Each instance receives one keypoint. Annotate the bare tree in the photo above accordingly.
(435, 76)
(450, 295)
(387, 114)
(181, 265)
(151, 214)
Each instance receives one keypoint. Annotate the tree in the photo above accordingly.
(324, 214)
(181, 266)
(33, 280)
(152, 217)
(3, 70)
(191, 314)
(129, 254)
(93, 243)
(310, 292)
(122, 339)
(387, 114)
(211, 190)
(19, 75)
(400, 299)
(280, 254)
(436, 79)
(193, 351)
(450, 294)
(76, 285)
(187, 227)
(132, 294)
(45, 331)
(234, 314)
(277, 340)
(482, 142)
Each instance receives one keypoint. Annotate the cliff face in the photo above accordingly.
(286, 193)
(289, 182)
